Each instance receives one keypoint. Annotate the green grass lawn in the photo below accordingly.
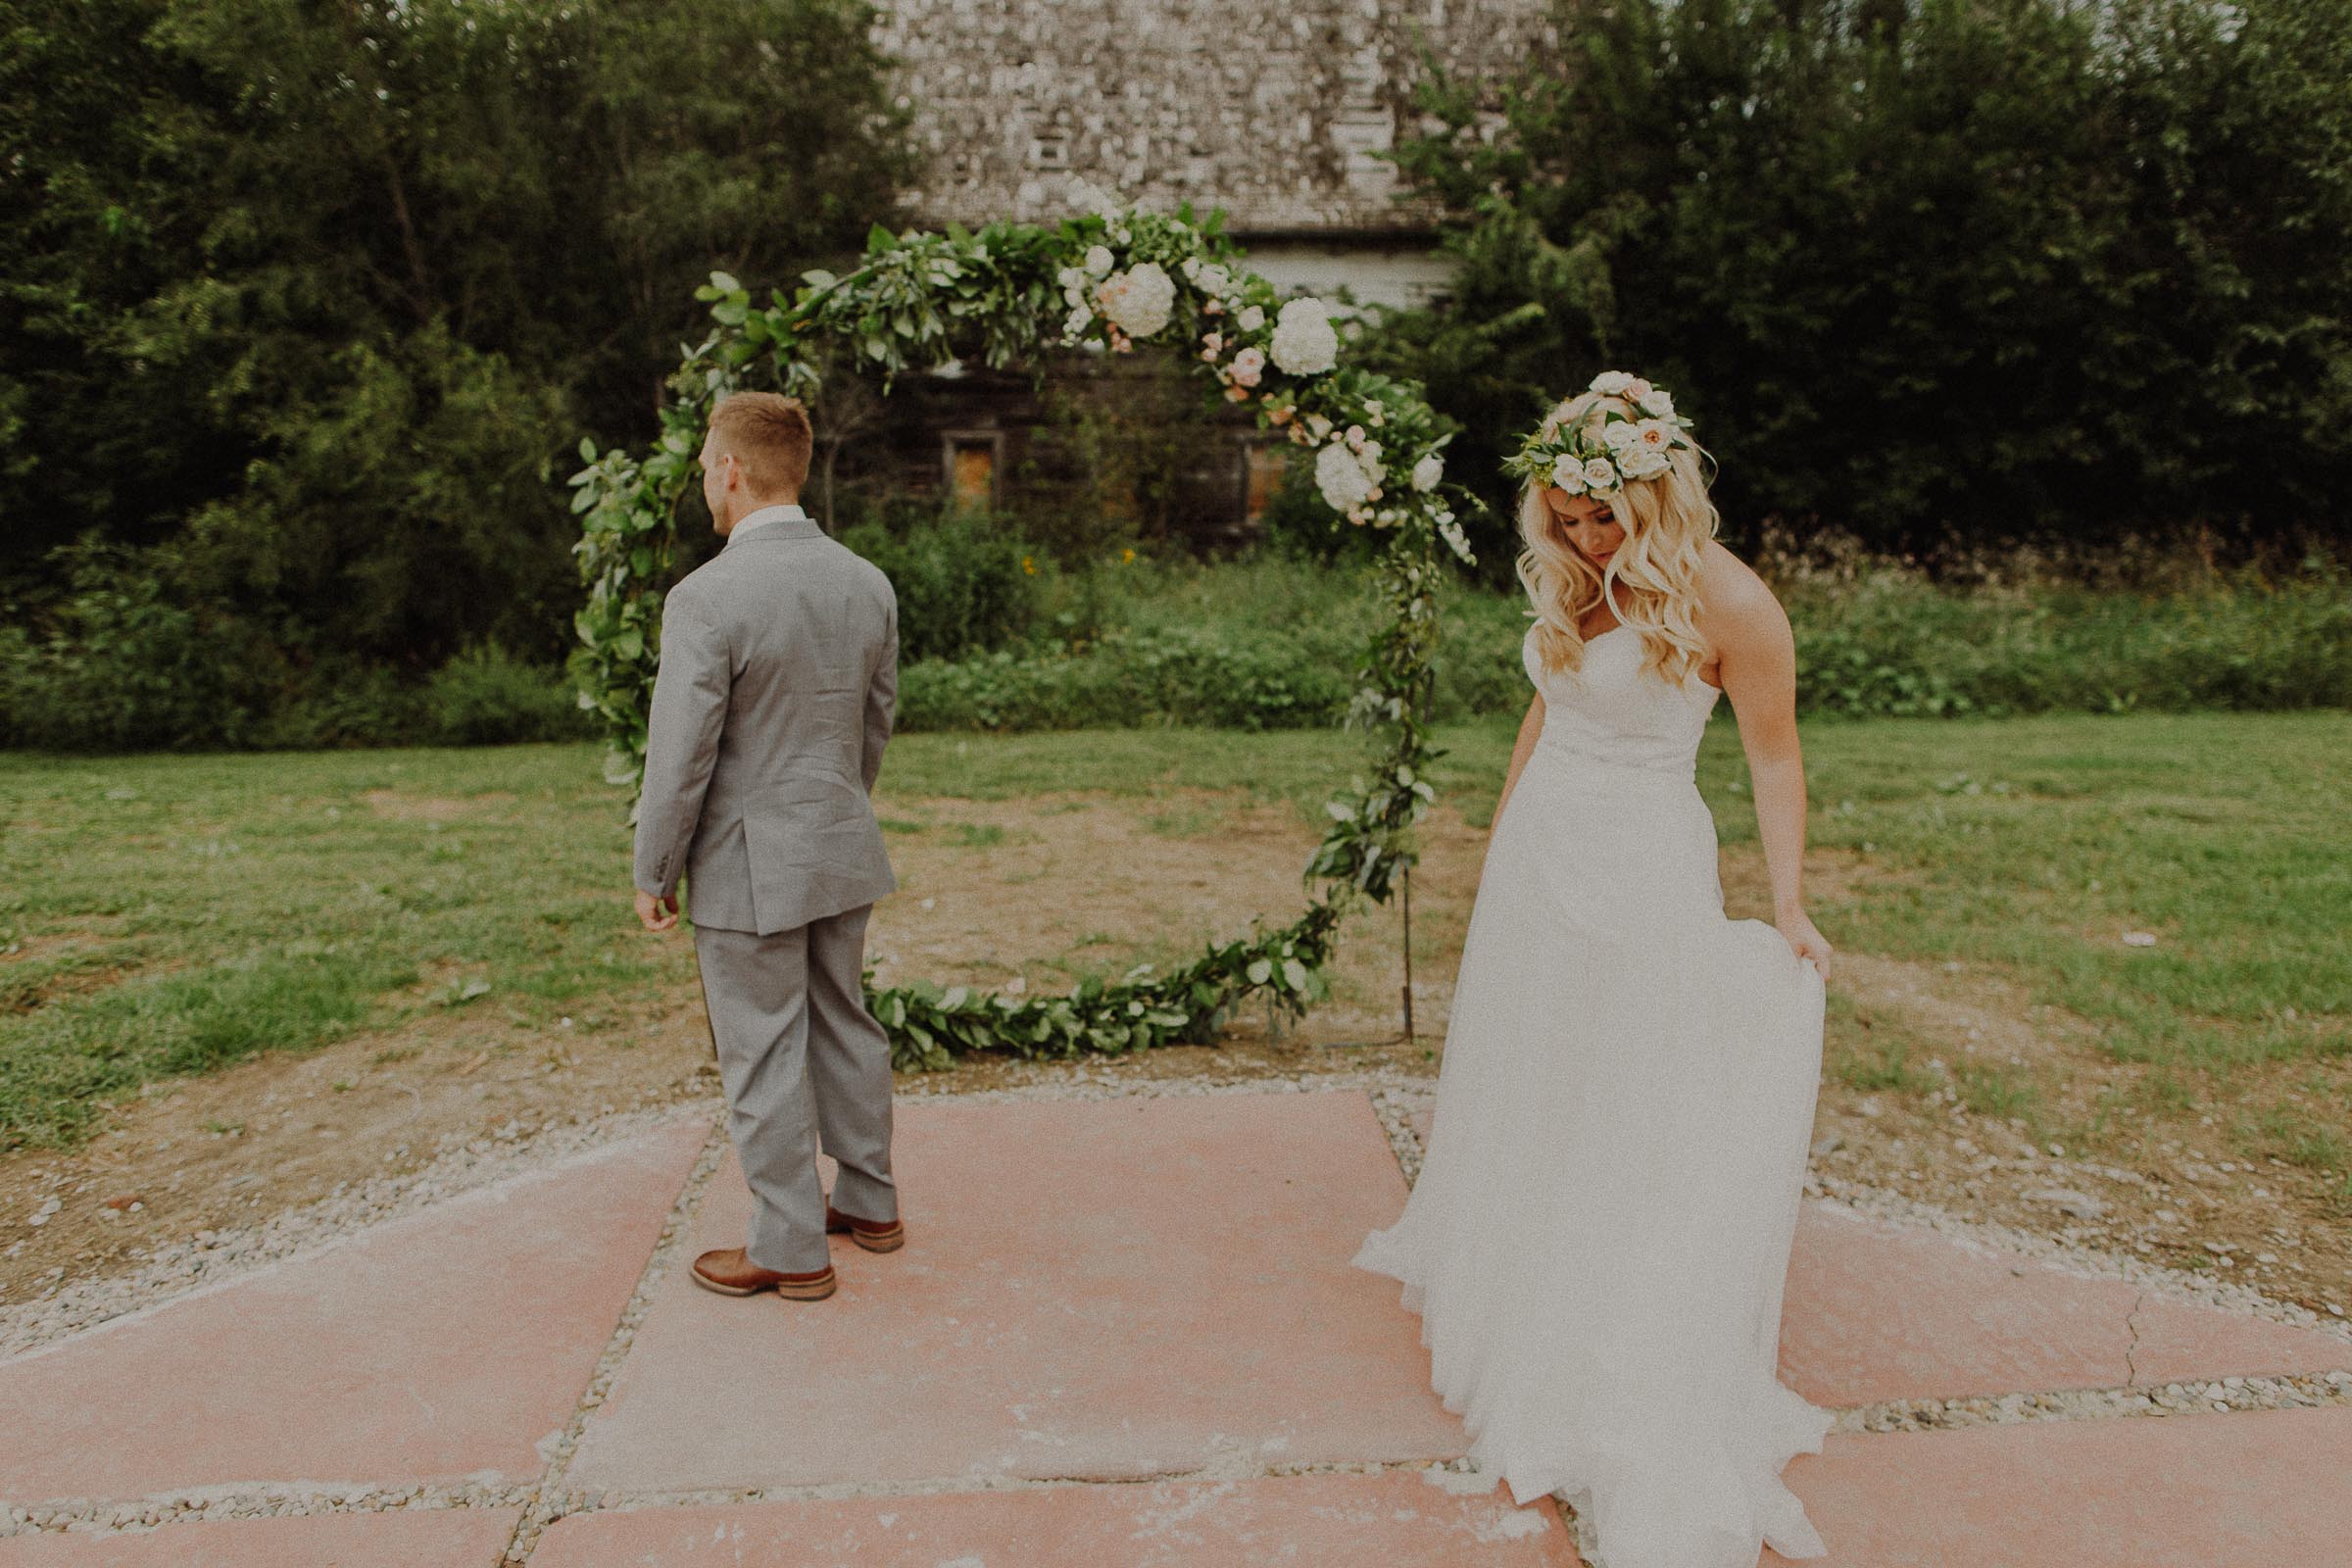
(171, 915)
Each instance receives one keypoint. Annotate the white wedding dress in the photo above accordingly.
(1599, 1236)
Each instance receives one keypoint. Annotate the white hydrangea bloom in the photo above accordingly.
(1305, 343)
(1138, 299)
(1341, 479)
(1428, 472)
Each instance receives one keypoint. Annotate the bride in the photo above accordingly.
(1600, 1233)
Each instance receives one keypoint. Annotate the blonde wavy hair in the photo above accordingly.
(1651, 582)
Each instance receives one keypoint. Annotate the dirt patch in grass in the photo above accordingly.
(235, 1147)
(1945, 1084)
(405, 808)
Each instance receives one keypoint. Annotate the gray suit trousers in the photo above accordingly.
(804, 1064)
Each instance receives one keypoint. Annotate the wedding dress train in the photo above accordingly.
(1599, 1236)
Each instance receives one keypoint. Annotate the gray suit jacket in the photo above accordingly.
(779, 669)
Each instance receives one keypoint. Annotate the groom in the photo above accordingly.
(779, 668)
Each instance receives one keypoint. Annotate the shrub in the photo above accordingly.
(486, 697)
(1128, 680)
(965, 584)
(123, 663)
(339, 702)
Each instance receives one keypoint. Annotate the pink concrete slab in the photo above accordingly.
(444, 1538)
(1877, 1311)
(2256, 1489)
(1393, 1520)
(1090, 1289)
(444, 1345)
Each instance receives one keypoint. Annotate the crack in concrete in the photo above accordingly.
(547, 1502)
(2132, 1324)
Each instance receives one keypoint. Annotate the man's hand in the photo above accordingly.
(657, 914)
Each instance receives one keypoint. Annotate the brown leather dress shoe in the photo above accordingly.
(876, 1236)
(730, 1272)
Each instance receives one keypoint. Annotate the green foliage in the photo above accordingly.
(123, 664)
(485, 697)
(1129, 679)
(965, 583)
(1258, 643)
(125, 661)
(1925, 270)
(317, 294)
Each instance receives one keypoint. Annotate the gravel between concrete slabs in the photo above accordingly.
(214, 1255)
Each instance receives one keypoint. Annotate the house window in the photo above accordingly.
(1265, 462)
(969, 458)
(1048, 152)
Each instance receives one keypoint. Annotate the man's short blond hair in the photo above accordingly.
(767, 435)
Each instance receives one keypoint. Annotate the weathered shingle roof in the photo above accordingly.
(1272, 110)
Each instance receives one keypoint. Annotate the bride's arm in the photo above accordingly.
(1529, 728)
(1749, 634)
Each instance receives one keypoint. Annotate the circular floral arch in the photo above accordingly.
(1010, 294)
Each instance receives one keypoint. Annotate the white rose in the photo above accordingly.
(1078, 322)
(1212, 278)
(1612, 383)
(1318, 424)
(1070, 277)
(1653, 436)
(1138, 299)
(1658, 402)
(1599, 474)
(1617, 434)
(1641, 462)
(1250, 320)
(1304, 342)
(1428, 472)
(1636, 389)
(1342, 480)
(1568, 474)
(1100, 261)
(1249, 367)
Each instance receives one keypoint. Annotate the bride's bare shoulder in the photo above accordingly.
(1731, 594)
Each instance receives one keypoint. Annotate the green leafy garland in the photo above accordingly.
(1007, 294)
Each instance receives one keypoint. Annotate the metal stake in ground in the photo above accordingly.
(1408, 892)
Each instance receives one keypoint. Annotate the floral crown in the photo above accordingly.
(1582, 459)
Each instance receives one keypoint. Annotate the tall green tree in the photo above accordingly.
(1923, 267)
(345, 277)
